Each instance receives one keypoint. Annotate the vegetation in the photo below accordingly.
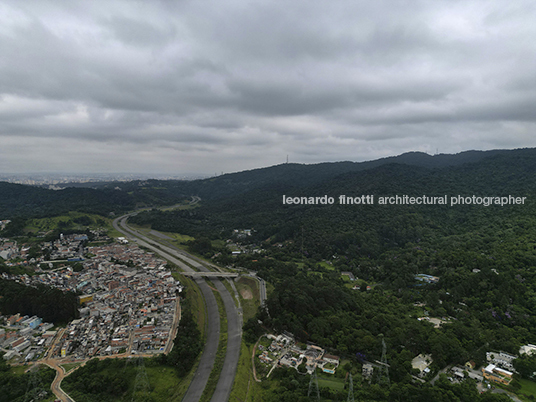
(49, 303)
(245, 388)
(25, 386)
(186, 347)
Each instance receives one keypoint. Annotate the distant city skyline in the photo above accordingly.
(199, 88)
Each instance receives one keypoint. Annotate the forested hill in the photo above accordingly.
(28, 201)
(374, 228)
(294, 176)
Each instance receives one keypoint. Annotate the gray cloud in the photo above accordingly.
(204, 87)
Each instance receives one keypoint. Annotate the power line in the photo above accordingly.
(142, 388)
(313, 386)
(35, 390)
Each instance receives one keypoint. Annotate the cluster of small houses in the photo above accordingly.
(287, 353)
(122, 307)
(10, 249)
(237, 248)
(66, 247)
(25, 337)
(499, 367)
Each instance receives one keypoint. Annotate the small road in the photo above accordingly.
(174, 326)
(56, 384)
(234, 328)
(262, 287)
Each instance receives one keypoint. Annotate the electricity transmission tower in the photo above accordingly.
(141, 385)
(314, 384)
(35, 390)
(350, 389)
(383, 377)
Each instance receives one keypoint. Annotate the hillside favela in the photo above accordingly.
(202, 290)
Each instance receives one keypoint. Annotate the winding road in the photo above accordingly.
(234, 327)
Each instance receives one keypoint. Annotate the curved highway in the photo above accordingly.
(234, 325)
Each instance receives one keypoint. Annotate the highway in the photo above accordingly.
(180, 258)
(211, 274)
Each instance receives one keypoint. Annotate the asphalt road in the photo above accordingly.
(234, 339)
(225, 382)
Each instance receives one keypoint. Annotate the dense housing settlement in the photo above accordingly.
(128, 303)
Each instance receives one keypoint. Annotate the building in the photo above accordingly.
(85, 298)
(331, 359)
(493, 373)
(421, 363)
(528, 349)
(367, 370)
(501, 359)
(427, 278)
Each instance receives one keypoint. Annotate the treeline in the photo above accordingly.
(51, 304)
(186, 346)
(33, 202)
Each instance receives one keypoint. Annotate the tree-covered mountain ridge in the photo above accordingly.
(24, 201)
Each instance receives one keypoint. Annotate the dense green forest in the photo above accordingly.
(49, 303)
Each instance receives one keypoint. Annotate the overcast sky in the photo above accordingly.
(210, 86)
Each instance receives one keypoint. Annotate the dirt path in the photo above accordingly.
(253, 360)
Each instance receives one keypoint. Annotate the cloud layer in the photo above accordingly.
(203, 87)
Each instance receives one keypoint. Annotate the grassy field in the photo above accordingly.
(218, 243)
(19, 369)
(245, 388)
(69, 366)
(528, 388)
(68, 221)
(175, 239)
(324, 264)
(330, 382)
(231, 291)
(164, 384)
(269, 289)
(249, 306)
